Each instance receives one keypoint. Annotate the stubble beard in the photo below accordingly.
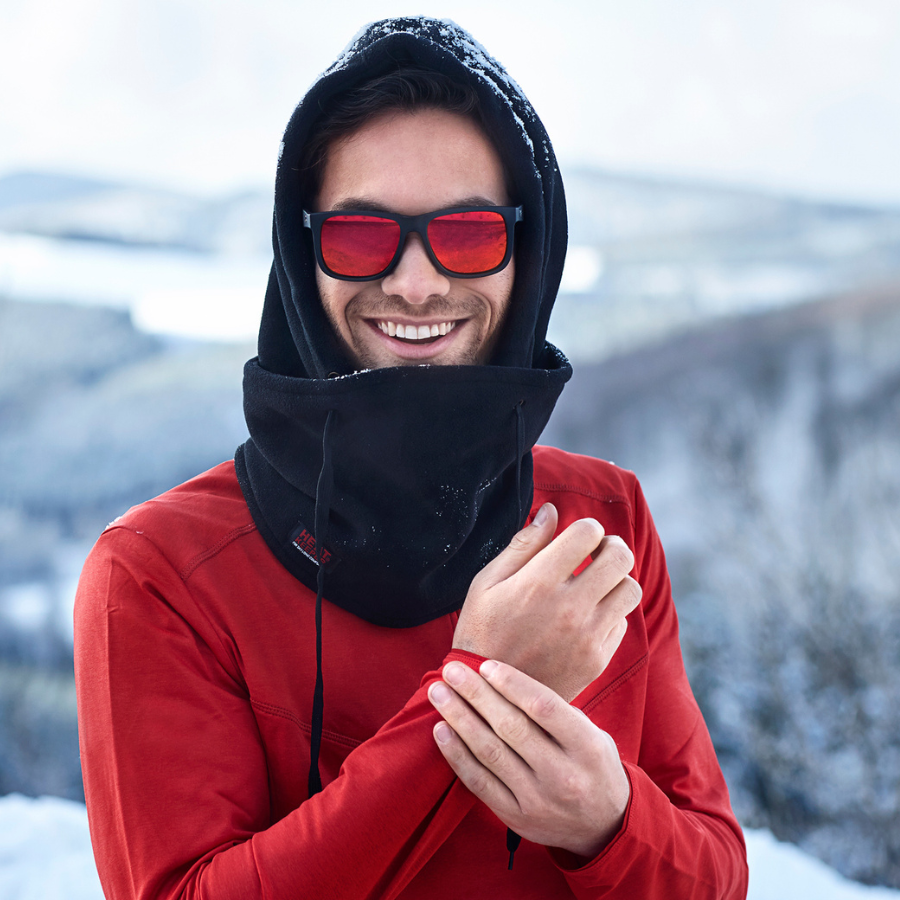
(475, 352)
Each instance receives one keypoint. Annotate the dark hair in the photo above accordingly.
(405, 89)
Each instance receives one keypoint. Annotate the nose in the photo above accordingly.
(415, 278)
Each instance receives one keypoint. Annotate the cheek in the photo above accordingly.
(504, 291)
(331, 295)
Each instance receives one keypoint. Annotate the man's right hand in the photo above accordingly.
(527, 609)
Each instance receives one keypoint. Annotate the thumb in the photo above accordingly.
(524, 546)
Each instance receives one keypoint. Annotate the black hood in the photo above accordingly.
(402, 482)
(295, 337)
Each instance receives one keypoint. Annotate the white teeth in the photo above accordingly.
(416, 333)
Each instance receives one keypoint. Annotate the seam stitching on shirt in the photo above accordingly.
(615, 685)
(127, 529)
(585, 492)
(283, 713)
(192, 565)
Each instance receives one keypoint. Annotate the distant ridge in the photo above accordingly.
(768, 446)
(19, 188)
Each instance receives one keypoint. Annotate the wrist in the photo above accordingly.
(590, 846)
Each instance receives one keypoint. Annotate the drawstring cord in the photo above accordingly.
(320, 536)
(324, 489)
(520, 452)
(512, 844)
(512, 839)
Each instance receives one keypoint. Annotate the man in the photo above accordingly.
(390, 641)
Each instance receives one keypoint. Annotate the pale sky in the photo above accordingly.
(795, 95)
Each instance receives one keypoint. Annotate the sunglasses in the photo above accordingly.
(462, 242)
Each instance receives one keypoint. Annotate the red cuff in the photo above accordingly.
(472, 660)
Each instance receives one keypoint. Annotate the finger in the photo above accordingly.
(610, 566)
(541, 704)
(618, 602)
(523, 547)
(613, 641)
(495, 730)
(483, 783)
(476, 730)
(570, 549)
(612, 560)
(615, 551)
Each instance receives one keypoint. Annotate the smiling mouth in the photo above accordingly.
(416, 334)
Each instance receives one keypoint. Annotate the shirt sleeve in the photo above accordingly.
(159, 715)
(680, 838)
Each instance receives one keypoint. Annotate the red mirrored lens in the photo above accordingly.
(358, 246)
(468, 242)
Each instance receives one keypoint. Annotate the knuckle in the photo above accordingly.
(588, 530)
(478, 585)
(493, 754)
(520, 542)
(606, 745)
(573, 787)
(600, 653)
(478, 783)
(616, 635)
(532, 805)
(512, 727)
(633, 593)
(606, 649)
(541, 706)
(602, 659)
(539, 586)
(620, 556)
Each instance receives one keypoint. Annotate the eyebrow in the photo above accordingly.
(366, 203)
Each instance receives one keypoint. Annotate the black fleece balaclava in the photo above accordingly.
(386, 491)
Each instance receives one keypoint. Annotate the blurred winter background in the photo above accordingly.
(731, 303)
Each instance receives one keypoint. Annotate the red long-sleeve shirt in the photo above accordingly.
(195, 664)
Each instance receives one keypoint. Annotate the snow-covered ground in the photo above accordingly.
(45, 850)
(45, 854)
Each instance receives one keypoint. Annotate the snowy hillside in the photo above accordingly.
(45, 854)
(646, 258)
(769, 451)
(762, 419)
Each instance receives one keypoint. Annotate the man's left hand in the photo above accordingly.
(541, 765)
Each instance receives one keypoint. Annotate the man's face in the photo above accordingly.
(414, 163)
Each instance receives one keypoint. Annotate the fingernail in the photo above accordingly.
(487, 668)
(439, 693)
(442, 732)
(542, 515)
(454, 673)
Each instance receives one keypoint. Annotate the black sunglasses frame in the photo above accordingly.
(417, 224)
